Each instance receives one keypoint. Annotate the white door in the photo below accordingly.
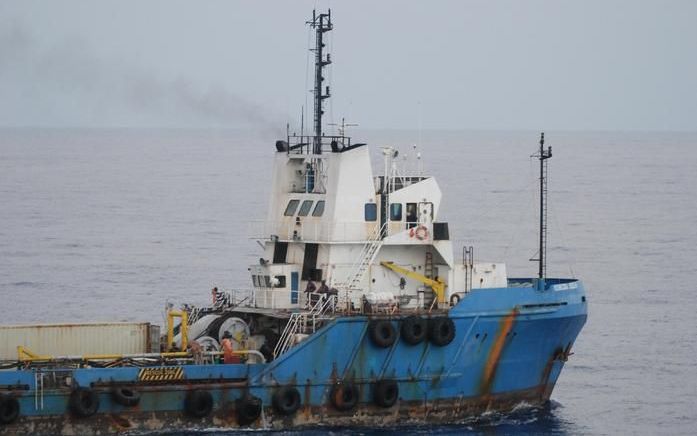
(426, 213)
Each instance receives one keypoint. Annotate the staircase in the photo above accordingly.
(365, 258)
(304, 322)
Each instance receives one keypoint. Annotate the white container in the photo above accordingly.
(79, 339)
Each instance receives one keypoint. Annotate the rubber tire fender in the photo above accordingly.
(441, 331)
(248, 409)
(84, 402)
(414, 329)
(344, 396)
(198, 404)
(286, 400)
(9, 409)
(125, 396)
(385, 393)
(382, 332)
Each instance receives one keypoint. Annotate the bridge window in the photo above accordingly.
(371, 212)
(305, 208)
(291, 208)
(319, 209)
(396, 212)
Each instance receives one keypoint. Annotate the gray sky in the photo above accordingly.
(617, 65)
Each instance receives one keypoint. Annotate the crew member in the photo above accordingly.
(228, 351)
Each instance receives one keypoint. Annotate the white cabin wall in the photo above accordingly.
(350, 186)
(425, 190)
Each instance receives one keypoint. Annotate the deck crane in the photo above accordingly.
(437, 284)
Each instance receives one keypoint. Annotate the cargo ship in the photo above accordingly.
(361, 314)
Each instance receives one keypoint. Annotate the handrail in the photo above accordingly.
(365, 258)
(25, 355)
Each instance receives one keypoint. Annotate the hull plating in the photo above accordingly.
(510, 346)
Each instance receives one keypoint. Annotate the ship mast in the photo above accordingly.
(321, 23)
(542, 156)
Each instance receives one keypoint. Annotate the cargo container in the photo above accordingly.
(79, 339)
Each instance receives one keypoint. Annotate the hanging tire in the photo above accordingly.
(414, 329)
(9, 409)
(441, 331)
(344, 396)
(382, 332)
(198, 404)
(286, 400)
(125, 396)
(386, 393)
(84, 402)
(248, 409)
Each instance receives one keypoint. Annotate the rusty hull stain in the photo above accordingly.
(403, 413)
(492, 361)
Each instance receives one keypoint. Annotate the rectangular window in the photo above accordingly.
(411, 215)
(305, 208)
(280, 281)
(319, 209)
(255, 281)
(371, 212)
(267, 281)
(292, 206)
(396, 212)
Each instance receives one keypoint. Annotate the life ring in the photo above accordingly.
(125, 396)
(421, 232)
(84, 402)
(454, 299)
(286, 400)
(344, 396)
(198, 404)
(248, 409)
(9, 409)
(382, 332)
(411, 232)
(385, 393)
(441, 331)
(414, 329)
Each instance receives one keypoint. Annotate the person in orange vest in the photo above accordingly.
(228, 351)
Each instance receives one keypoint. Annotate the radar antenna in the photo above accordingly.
(542, 155)
(342, 127)
(321, 23)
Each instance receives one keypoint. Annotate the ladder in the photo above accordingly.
(365, 258)
(296, 321)
(304, 322)
(428, 272)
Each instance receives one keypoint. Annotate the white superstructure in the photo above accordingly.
(330, 218)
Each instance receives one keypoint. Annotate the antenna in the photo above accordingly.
(342, 127)
(542, 156)
(321, 23)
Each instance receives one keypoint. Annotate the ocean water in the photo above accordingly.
(106, 225)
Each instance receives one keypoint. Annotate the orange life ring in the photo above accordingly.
(421, 232)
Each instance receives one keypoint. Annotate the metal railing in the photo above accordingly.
(302, 322)
(311, 229)
(365, 258)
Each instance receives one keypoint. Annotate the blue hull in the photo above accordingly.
(510, 346)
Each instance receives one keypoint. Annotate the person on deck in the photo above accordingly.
(229, 355)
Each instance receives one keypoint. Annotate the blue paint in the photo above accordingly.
(546, 321)
(294, 288)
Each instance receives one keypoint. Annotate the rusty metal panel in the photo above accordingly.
(77, 339)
